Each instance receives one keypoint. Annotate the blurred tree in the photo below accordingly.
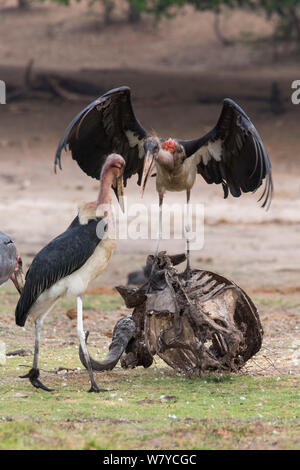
(109, 6)
(287, 12)
(23, 4)
(135, 10)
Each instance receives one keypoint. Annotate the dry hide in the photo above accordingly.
(200, 324)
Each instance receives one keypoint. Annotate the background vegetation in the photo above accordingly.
(285, 14)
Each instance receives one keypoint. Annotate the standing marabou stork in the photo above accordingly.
(10, 263)
(67, 265)
(231, 154)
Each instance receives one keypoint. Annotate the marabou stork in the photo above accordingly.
(230, 154)
(10, 263)
(70, 262)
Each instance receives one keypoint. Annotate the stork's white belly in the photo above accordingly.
(76, 283)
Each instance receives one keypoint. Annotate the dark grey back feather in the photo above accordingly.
(64, 255)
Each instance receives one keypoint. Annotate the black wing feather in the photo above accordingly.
(243, 164)
(61, 257)
(100, 129)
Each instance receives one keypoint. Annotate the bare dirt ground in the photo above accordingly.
(168, 69)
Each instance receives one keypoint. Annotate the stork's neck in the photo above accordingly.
(165, 159)
(104, 198)
(100, 208)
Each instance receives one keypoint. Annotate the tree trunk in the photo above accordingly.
(23, 4)
(108, 9)
(218, 32)
(133, 15)
(295, 22)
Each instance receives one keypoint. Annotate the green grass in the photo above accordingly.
(155, 408)
(197, 413)
(103, 302)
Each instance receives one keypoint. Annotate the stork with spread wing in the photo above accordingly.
(232, 154)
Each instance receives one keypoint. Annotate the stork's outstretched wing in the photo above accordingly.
(105, 126)
(232, 154)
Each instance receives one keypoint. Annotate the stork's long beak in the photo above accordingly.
(119, 191)
(148, 167)
(17, 276)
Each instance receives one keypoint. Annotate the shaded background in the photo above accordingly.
(55, 58)
(180, 63)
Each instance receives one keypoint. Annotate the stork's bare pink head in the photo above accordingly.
(165, 152)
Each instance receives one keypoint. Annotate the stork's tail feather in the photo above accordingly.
(20, 314)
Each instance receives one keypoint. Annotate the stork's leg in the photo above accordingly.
(159, 236)
(187, 227)
(81, 337)
(161, 198)
(33, 374)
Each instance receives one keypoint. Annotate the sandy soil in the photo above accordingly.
(168, 69)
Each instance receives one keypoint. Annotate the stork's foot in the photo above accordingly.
(33, 376)
(94, 388)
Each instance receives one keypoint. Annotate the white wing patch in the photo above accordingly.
(133, 140)
(211, 150)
